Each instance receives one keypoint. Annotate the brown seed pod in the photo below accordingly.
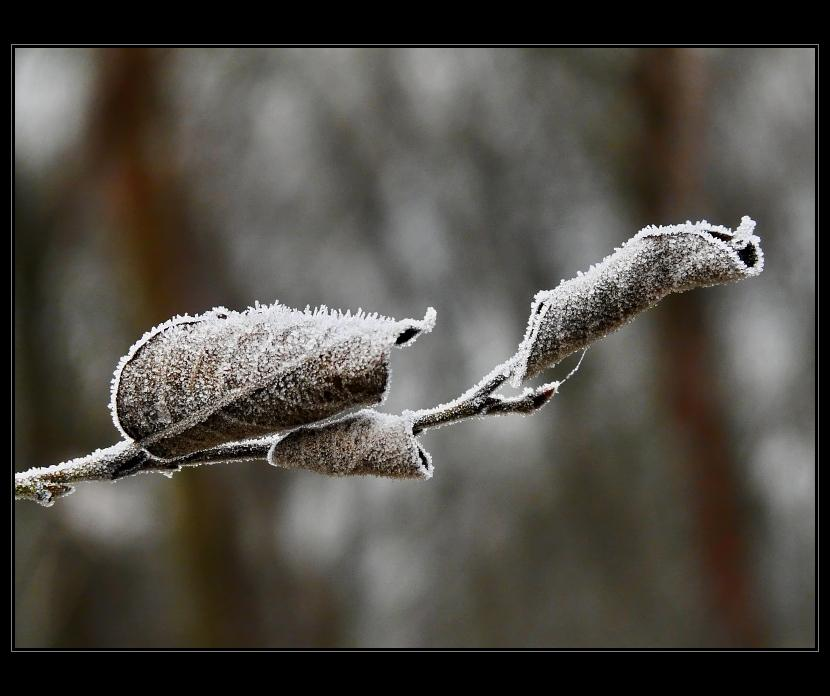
(197, 382)
(366, 443)
(655, 262)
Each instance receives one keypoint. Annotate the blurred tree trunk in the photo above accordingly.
(166, 274)
(169, 272)
(671, 87)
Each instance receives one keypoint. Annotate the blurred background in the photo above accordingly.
(664, 499)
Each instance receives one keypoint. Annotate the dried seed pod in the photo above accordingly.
(366, 443)
(655, 262)
(197, 382)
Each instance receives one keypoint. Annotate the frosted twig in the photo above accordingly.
(480, 401)
(195, 390)
(471, 403)
(319, 448)
(364, 443)
(44, 484)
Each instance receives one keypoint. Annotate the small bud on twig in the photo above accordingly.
(365, 443)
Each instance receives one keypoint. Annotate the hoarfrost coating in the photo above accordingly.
(196, 382)
(655, 262)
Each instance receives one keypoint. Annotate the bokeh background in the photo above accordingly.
(665, 498)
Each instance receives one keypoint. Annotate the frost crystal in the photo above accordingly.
(197, 382)
(365, 443)
(655, 262)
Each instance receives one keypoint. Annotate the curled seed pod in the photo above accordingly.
(655, 262)
(366, 443)
(197, 382)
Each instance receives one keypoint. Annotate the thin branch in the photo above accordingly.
(479, 401)
(44, 484)
(471, 403)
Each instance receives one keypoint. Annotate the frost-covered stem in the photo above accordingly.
(471, 403)
(44, 484)
(233, 452)
(480, 401)
(486, 405)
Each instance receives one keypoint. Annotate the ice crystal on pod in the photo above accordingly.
(655, 262)
(197, 382)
